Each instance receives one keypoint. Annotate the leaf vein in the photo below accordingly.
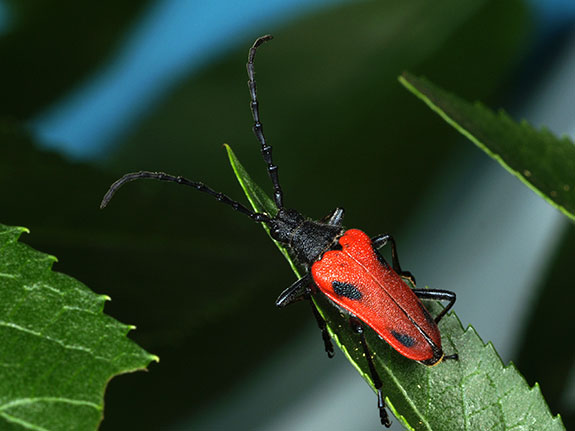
(54, 340)
(26, 401)
(22, 422)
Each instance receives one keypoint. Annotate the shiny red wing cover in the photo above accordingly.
(356, 280)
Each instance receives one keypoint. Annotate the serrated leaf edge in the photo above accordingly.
(14, 233)
(405, 82)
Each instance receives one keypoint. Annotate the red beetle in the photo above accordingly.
(343, 265)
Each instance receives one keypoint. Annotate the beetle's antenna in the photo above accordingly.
(259, 217)
(258, 127)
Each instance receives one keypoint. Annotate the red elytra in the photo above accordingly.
(382, 299)
(344, 265)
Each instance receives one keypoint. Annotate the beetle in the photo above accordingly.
(343, 265)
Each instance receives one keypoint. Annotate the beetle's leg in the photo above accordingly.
(323, 328)
(296, 292)
(335, 218)
(438, 295)
(299, 291)
(381, 240)
(357, 327)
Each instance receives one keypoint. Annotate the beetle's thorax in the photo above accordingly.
(308, 239)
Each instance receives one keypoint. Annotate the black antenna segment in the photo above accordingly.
(259, 217)
(258, 127)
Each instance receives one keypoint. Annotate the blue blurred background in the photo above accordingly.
(93, 91)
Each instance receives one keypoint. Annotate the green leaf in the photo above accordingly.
(57, 349)
(474, 393)
(545, 163)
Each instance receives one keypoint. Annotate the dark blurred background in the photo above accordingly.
(91, 91)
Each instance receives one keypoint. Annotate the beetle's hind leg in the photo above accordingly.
(379, 241)
(438, 295)
(357, 327)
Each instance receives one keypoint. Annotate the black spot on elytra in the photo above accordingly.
(404, 339)
(346, 289)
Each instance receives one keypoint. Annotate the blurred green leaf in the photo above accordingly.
(57, 349)
(543, 162)
(474, 393)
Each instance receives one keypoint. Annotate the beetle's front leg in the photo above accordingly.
(300, 290)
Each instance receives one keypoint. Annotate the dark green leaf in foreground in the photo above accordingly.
(545, 163)
(57, 349)
(475, 393)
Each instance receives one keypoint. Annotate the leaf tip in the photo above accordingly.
(408, 81)
(403, 78)
(231, 157)
(230, 153)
